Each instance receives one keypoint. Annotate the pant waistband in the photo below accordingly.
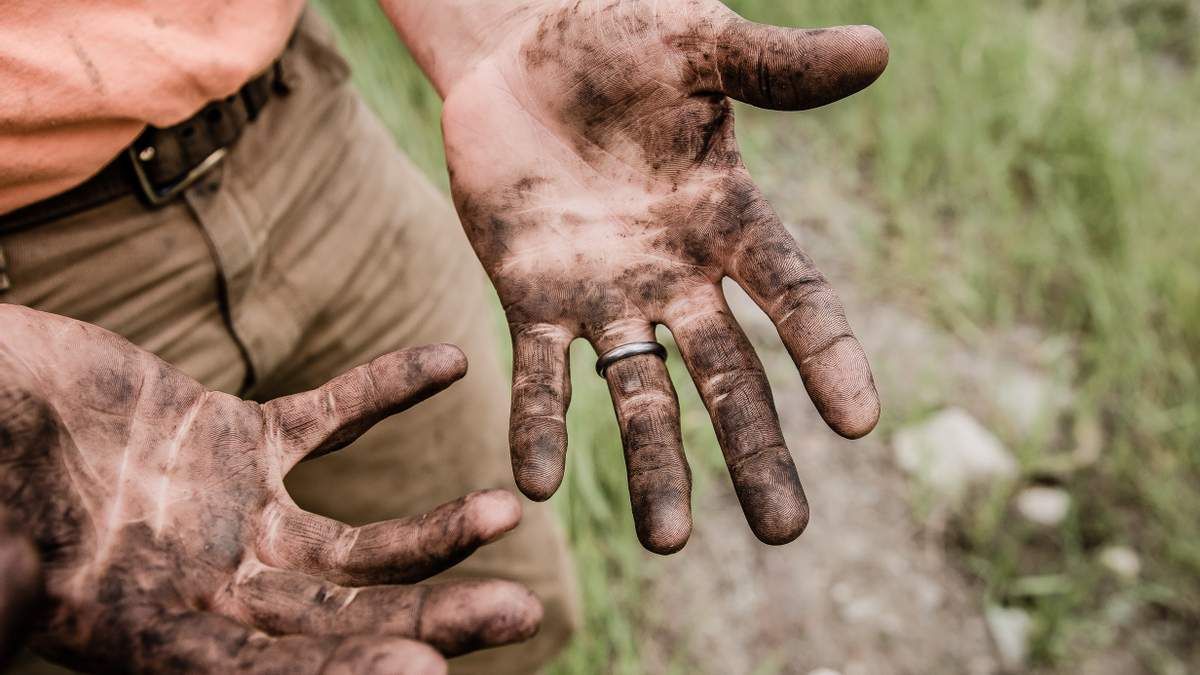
(162, 162)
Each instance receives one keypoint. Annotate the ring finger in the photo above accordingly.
(660, 483)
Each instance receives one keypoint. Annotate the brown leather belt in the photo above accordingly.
(161, 163)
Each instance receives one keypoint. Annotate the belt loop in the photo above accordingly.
(5, 282)
(255, 97)
(280, 82)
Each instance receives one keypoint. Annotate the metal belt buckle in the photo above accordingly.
(157, 197)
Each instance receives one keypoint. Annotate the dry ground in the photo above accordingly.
(867, 589)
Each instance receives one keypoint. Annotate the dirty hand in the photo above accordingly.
(20, 582)
(169, 543)
(593, 162)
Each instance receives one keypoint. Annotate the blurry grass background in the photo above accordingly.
(1033, 162)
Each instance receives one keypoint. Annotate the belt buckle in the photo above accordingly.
(156, 197)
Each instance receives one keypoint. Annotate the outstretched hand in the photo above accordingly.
(170, 545)
(594, 165)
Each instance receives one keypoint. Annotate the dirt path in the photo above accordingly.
(864, 591)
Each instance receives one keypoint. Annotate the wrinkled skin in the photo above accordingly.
(169, 544)
(594, 165)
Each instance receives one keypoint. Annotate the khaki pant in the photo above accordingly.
(315, 247)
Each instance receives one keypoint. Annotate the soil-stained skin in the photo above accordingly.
(167, 540)
(20, 584)
(594, 165)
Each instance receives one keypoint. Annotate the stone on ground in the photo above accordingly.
(951, 452)
(1045, 506)
(1010, 630)
(1122, 561)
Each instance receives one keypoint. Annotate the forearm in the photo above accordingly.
(448, 37)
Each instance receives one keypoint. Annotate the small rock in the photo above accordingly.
(1010, 630)
(1028, 400)
(1045, 506)
(951, 452)
(1122, 561)
(824, 671)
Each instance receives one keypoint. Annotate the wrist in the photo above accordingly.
(448, 38)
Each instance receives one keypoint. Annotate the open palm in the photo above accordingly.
(594, 165)
(170, 545)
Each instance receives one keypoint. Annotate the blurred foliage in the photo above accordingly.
(390, 80)
(1168, 27)
(1032, 162)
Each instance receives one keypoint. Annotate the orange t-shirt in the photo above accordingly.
(80, 79)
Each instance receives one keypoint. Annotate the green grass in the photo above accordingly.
(1031, 162)
(594, 505)
(1034, 163)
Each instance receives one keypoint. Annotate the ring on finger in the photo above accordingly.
(627, 350)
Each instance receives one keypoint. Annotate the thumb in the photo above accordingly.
(795, 68)
(329, 418)
(20, 584)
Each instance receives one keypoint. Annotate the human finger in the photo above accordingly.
(455, 617)
(541, 394)
(811, 321)
(325, 419)
(792, 68)
(387, 552)
(660, 482)
(204, 642)
(20, 584)
(734, 387)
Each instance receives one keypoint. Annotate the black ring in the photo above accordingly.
(627, 350)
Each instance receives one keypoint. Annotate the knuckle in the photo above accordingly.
(537, 383)
(650, 400)
(735, 377)
(829, 346)
(806, 294)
